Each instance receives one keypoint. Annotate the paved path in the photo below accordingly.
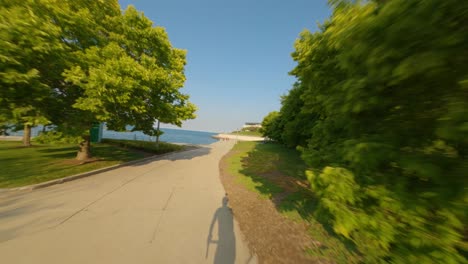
(161, 211)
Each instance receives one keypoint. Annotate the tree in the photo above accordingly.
(29, 50)
(164, 102)
(271, 126)
(383, 87)
(158, 133)
(78, 62)
(296, 119)
(133, 78)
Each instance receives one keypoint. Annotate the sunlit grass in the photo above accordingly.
(248, 133)
(253, 182)
(20, 166)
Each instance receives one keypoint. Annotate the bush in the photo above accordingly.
(271, 126)
(147, 146)
(55, 137)
(383, 94)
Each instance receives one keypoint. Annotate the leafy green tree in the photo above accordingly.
(163, 101)
(132, 78)
(271, 126)
(79, 62)
(383, 92)
(296, 119)
(29, 50)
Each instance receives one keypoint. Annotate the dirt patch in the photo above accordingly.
(287, 183)
(273, 237)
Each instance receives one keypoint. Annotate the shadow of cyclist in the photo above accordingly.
(226, 249)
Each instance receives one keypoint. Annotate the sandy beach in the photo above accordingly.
(238, 137)
(11, 138)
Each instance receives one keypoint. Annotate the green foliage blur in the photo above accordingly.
(270, 126)
(380, 113)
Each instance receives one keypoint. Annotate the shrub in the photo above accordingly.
(160, 148)
(55, 137)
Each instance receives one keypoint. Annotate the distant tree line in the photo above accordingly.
(380, 115)
(72, 63)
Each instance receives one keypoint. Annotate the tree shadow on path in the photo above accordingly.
(188, 154)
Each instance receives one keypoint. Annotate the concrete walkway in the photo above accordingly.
(163, 211)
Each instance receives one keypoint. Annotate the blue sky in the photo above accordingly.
(238, 53)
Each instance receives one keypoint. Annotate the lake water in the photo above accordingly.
(170, 135)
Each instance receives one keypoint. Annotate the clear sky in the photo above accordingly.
(239, 53)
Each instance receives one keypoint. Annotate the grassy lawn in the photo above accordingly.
(270, 170)
(247, 133)
(22, 166)
(246, 175)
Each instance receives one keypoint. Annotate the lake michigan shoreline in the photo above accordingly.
(237, 137)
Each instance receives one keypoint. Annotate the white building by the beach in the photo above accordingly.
(252, 125)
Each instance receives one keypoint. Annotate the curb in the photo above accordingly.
(85, 174)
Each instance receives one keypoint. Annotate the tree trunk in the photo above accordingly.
(27, 135)
(157, 136)
(84, 152)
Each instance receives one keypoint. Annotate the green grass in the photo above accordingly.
(252, 160)
(271, 157)
(22, 166)
(253, 182)
(247, 133)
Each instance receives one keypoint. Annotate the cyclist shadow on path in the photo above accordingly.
(226, 243)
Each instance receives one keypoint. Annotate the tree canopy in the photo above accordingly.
(29, 44)
(84, 61)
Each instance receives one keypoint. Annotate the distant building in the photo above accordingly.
(252, 125)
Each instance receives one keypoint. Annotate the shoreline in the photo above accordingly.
(11, 138)
(238, 137)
